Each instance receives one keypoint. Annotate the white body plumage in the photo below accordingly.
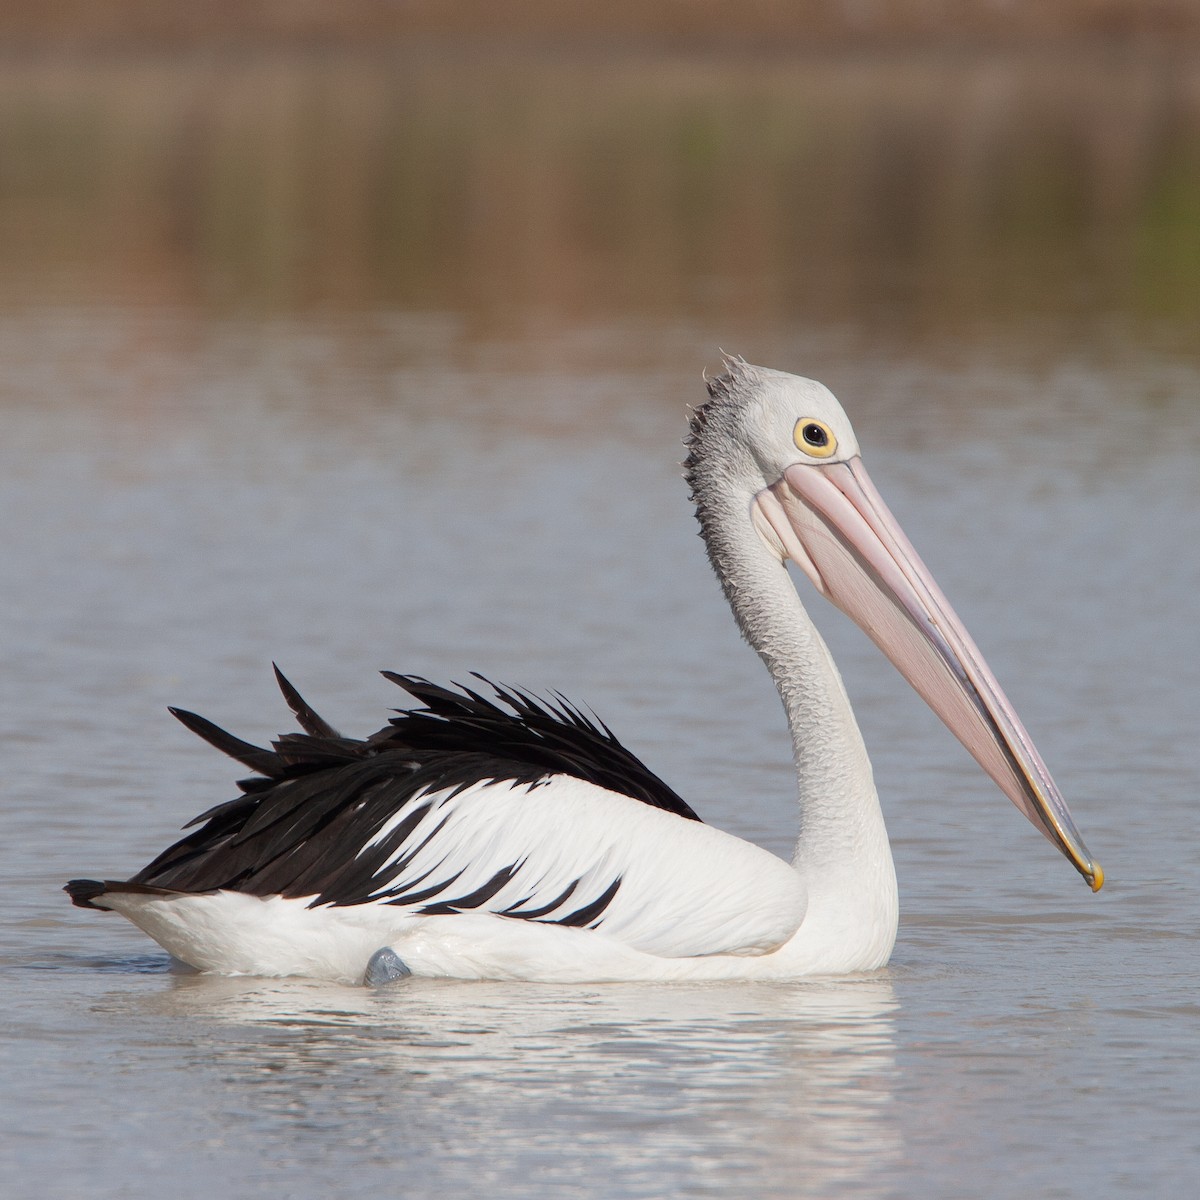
(693, 902)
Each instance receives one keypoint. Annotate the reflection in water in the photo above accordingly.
(925, 196)
(760, 1090)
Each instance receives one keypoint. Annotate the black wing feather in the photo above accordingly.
(255, 757)
(304, 823)
(310, 722)
(560, 739)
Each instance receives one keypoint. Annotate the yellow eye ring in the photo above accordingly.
(814, 437)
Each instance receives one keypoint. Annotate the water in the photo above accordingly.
(209, 461)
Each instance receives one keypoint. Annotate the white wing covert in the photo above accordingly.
(563, 851)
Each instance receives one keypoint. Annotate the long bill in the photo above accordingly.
(834, 525)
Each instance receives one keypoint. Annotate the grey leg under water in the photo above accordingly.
(385, 966)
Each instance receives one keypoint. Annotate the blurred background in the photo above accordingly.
(920, 176)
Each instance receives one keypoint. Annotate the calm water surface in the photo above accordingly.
(192, 488)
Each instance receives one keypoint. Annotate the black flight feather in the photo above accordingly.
(305, 824)
(254, 757)
(310, 722)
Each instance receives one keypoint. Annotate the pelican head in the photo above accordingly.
(820, 510)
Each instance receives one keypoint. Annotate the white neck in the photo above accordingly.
(842, 850)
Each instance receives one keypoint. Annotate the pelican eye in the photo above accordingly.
(814, 437)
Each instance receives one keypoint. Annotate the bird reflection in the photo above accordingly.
(762, 1089)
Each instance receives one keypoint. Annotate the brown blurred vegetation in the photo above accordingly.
(914, 195)
(676, 23)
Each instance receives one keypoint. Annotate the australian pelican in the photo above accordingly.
(511, 838)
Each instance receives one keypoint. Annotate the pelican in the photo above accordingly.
(508, 837)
